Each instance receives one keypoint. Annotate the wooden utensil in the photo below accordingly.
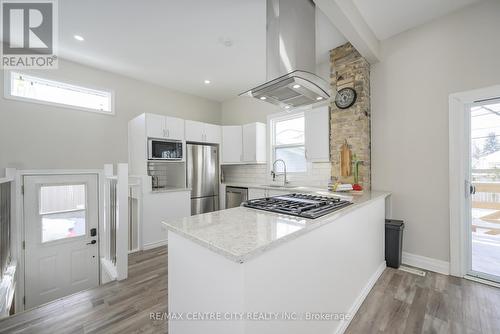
(345, 160)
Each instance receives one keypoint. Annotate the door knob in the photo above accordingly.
(93, 242)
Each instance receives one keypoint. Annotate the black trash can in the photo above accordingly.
(393, 242)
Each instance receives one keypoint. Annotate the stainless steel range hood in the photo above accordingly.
(291, 56)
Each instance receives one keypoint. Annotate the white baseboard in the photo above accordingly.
(361, 298)
(426, 263)
(155, 244)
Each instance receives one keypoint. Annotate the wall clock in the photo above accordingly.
(345, 98)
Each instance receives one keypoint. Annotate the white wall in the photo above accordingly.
(37, 136)
(410, 89)
(243, 109)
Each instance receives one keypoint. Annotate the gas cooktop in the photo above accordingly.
(301, 205)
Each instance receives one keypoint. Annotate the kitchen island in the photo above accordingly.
(244, 270)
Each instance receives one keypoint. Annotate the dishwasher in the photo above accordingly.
(235, 196)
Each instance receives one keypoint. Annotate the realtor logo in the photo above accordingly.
(29, 34)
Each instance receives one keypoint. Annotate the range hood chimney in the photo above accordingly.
(291, 56)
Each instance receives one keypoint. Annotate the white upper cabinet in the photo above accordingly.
(317, 134)
(244, 144)
(194, 131)
(158, 126)
(212, 133)
(203, 132)
(155, 126)
(254, 143)
(232, 144)
(174, 128)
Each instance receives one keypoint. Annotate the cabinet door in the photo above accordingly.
(195, 131)
(317, 134)
(232, 144)
(174, 128)
(249, 141)
(155, 126)
(254, 193)
(254, 143)
(212, 133)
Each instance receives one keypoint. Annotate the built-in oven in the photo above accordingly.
(159, 149)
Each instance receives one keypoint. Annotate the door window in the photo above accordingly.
(485, 163)
(62, 211)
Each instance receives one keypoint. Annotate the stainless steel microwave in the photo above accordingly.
(164, 149)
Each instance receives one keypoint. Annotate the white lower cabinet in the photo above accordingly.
(157, 207)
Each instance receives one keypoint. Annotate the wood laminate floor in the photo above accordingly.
(400, 302)
(117, 307)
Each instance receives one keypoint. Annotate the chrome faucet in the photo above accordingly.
(273, 171)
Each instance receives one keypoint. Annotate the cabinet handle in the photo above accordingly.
(305, 153)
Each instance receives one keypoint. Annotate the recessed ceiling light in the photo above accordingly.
(287, 107)
(319, 98)
(79, 38)
(207, 82)
(262, 97)
(296, 86)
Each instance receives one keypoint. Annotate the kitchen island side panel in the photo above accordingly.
(329, 270)
(200, 281)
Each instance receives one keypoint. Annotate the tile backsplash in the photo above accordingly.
(318, 175)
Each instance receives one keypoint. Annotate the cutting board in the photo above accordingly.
(345, 160)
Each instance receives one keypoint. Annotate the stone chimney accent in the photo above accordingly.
(349, 69)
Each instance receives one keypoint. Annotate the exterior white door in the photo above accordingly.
(484, 186)
(61, 242)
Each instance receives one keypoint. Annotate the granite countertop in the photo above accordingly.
(242, 233)
(169, 189)
(291, 188)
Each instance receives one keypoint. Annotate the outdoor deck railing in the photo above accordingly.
(487, 185)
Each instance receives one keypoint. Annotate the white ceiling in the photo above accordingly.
(177, 44)
(387, 18)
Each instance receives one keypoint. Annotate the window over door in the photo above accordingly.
(288, 141)
(20, 86)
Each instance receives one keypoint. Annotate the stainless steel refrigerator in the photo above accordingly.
(202, 164)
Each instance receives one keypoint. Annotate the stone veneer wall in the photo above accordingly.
(350, 69)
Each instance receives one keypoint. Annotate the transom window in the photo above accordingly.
(34, 89)
(287, 142)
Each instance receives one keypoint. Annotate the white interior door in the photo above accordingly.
(61, 242)
(483, 227)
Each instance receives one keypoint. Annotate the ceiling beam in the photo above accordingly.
(346, 17)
